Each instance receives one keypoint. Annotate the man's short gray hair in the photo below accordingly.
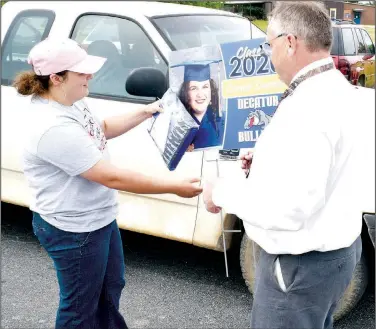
(307, 20)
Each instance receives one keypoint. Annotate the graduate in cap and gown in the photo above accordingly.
(199, 95)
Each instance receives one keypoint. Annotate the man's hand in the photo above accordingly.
(153, 108)
(247, 161)
(188, 188)
(209, 204)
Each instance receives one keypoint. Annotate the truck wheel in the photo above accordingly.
(249, 255)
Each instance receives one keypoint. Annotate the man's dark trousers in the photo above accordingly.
(314, 282)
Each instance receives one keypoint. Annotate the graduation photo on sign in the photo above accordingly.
(172, 130)
(195, 76)
(193, 118)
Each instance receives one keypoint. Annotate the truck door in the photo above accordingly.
(127, 46)
(22, 32)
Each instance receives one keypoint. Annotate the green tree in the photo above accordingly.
(208, 4)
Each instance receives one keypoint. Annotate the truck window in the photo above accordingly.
(335, 44)
(126, 47)
(370, 47)
(361, 45)
(197, 30)
(348, 42)
(27, 29)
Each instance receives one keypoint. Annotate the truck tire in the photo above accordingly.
(249, 255)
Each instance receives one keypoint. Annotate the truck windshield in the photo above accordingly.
(198, 30)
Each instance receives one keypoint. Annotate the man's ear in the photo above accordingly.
(291, 39)
(56, 80)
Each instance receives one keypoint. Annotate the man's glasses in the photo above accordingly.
(265, 46)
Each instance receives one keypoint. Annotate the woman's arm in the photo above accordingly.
(131, 181)
(118, 125)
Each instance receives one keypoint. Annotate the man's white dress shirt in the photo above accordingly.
(313, 170)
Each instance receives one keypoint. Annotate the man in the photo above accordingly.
(300, 202)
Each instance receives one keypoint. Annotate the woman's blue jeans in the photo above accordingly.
(90, 271)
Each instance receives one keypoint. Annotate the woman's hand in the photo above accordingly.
(153, 108)
(191, 148)
(188, 188)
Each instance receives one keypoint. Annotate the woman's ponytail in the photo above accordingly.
(28, 83)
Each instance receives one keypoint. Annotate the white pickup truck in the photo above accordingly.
(132, 35)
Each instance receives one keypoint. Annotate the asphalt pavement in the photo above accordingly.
(169, 284)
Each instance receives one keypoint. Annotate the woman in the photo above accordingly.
(199, 95)
(66, 163)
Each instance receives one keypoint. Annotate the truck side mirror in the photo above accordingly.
(146, 82)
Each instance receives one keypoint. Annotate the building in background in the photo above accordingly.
(359, 12)
(336, 9)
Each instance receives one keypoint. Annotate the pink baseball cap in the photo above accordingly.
(52, 56)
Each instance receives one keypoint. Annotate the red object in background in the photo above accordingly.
(353, 53)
